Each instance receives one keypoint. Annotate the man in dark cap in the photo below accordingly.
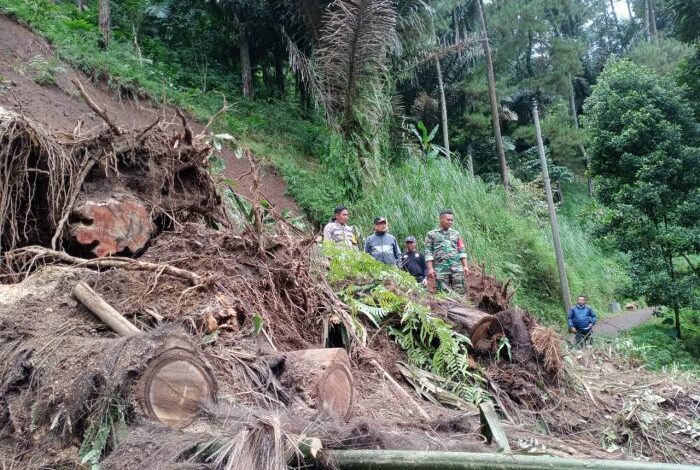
(338, 231)
(382, 245)
(413, 261)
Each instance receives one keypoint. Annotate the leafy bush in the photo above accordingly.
(663, 350)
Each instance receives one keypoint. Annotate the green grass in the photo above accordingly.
(662, 350)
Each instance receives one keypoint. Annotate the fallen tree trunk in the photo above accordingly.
(412, 460)
(321, 377)
(474, 323)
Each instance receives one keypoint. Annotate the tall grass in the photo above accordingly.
(509, 239)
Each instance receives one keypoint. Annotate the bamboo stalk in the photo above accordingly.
(422, 460)
(103, 310)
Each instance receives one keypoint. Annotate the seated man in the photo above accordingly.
(413, 261)
(382, 245)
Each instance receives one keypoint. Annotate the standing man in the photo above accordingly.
(445, 256)
(382, 245)
(582, 317)
(338, 231)
(413, 261)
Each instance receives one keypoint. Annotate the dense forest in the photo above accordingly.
(403, 108)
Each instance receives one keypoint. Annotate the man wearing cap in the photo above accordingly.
(445, 256)
(338, 231)
(413, 261)
(383, 246)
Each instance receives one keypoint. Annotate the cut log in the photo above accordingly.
(175, 384)
(474, 323)
(322, 378)
(113, 225)
(72, 381)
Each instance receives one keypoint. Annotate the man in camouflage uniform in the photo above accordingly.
(445, 256)
(338, 230)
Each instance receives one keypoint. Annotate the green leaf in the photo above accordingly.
(257, 324)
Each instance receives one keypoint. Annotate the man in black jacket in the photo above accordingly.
(413, 261)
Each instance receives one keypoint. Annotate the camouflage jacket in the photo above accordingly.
(342, 235)
(444, 248)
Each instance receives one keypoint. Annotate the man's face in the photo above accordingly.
(381, 227)
(342, 217)
(581, 301)
(446, 221)
(410, 246)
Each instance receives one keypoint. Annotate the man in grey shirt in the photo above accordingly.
(382, 245)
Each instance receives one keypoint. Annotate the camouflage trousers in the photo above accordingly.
(450, 279)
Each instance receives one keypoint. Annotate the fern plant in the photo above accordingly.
(389, 297)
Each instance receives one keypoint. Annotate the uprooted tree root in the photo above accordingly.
(44, 178)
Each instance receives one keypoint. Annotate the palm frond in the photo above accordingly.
(356, 39)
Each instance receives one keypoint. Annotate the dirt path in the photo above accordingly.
(616, 324)
(59, 107)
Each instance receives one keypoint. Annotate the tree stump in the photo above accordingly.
(322, 378)
(474, 323)
(112, 225)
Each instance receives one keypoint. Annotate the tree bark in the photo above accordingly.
(677, 315)
(246, 67)
(279, 76)
(322, 378)
(582, 148)
(474, 323)
(105, 22)
(617, 24)
(443, 110)
(80, 4)
(458, 35)
(493, 99)
(563, 281)
(652, 21)
(470, 159)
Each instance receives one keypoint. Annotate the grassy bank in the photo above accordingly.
(662, 350)
(507, 238)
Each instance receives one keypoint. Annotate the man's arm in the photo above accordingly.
(327, 233)
(571, 319)
(368, 248)
(429, 253)
(593, 317)
(397, 252)
(462, 255)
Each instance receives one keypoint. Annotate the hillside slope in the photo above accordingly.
(38, 84)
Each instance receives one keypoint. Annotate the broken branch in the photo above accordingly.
(91, 103)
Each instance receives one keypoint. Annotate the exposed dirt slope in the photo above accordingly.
(59, 107)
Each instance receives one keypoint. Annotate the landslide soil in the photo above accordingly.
(59, 107)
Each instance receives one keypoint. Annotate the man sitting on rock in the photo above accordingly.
(582, 317)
